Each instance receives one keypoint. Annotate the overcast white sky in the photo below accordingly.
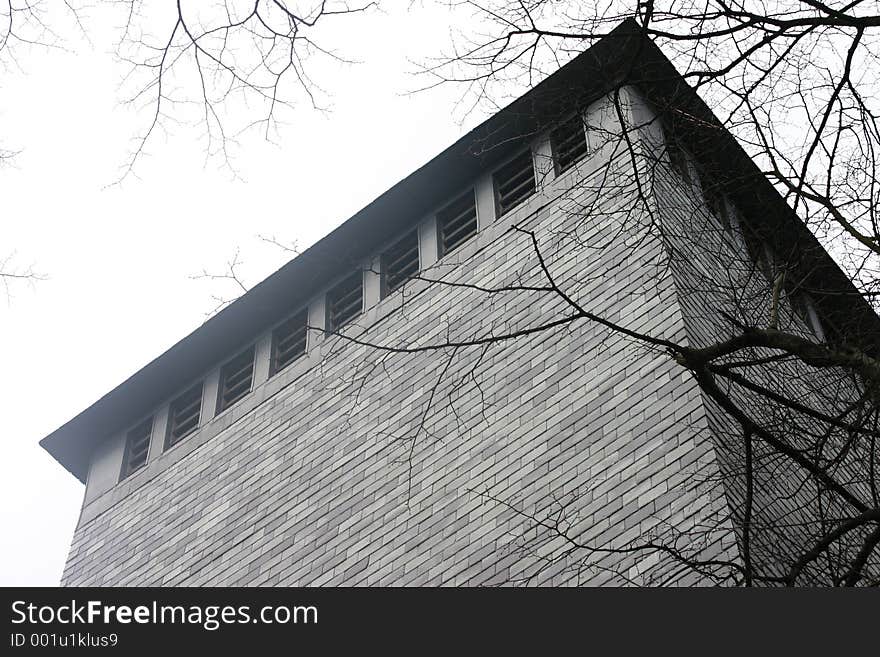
(118, 261)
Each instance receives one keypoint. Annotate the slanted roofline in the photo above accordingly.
(623, 57)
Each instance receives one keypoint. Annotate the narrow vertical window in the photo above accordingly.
(568, 143)
(183, 415)
(514, 182)
(679, 161)
(288, 342)
(137, 445)
(236, 378)
(400, 263)
(457, 222)
(767, 260)
(813, 319)
(715, 201)
(345, 301)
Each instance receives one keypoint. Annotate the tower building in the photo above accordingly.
(469, 382)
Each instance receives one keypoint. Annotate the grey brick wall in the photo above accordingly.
(364, 467)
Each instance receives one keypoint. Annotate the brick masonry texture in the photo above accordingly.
(361, 466)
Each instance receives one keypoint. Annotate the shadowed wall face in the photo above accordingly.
(731, 275)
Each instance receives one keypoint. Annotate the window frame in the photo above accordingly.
(330, 325)
(496, 188)
(302, 314)
(171, 441)
(126, 471)
(224, 374)
(558, 169)
(387, 289)
(441, 220)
